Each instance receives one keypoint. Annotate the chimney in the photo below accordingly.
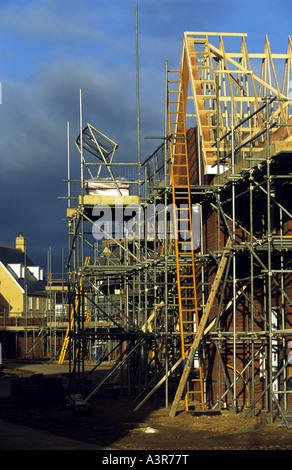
(21, 243)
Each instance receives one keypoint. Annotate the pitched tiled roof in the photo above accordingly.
(10, 255)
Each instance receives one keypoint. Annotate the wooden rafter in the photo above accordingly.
(244, 79)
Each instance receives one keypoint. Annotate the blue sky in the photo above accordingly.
(51, 48)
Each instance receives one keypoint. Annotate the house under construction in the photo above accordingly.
(179, 266)
(187, 284)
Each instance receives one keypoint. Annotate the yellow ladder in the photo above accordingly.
(184, 247)
(71, 321)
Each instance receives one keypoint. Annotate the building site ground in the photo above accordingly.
(111, 423)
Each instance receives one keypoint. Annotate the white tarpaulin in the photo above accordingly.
(107, 188)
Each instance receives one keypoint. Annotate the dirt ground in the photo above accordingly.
(112, 423)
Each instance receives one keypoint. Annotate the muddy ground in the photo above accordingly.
(112, 423)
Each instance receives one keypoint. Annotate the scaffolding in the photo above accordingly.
(237, 139)
(241, 172)
(127, 290)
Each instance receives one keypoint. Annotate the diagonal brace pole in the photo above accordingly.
(200, 331)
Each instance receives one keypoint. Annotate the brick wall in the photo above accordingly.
(243, 270)
(20, 340)
(11, 295)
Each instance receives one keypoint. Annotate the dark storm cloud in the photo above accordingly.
(49, 50)
(33, 163)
